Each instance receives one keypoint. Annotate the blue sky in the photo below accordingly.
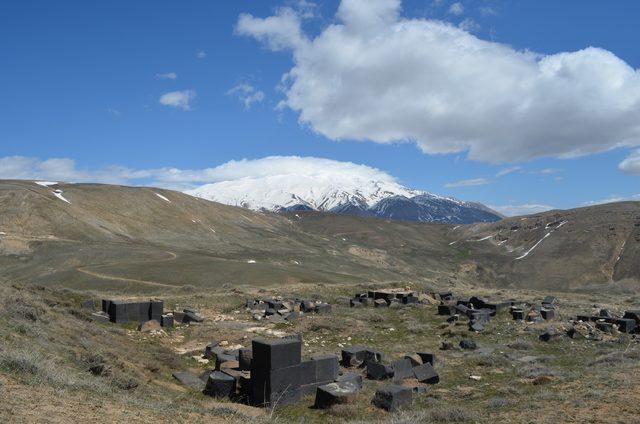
(88, 83)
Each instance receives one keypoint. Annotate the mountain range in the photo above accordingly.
(352, 196)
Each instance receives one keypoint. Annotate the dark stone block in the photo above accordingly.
(476, 326)
(547, 314)
(178, 317)
(355, 303)
(393, 397)
(517, 314)
(292, 316)
(377, 371)
(453, 318)
(446, 296)
(402, 369)
(427, 358)
(307, 306)
(156, 310)
(223, 358)
(323, 308)
(468, 344)
(244, 358)
(605, 327)
(481, 316)
(275, 304)
(446, 309)
(307, 372)
(192, 316)
(550, 300)
(105, 305)
(462, 309)
(605, 313)
(335, 393)
(310, 389)
(212, 350)
(281, 386)
(632, 314)
(220, 385)
(425, 373)
(352, 378)
(189, 380)
(353, 355)
(275, 354)
(166, 320)
(626, 325)
(327, 367)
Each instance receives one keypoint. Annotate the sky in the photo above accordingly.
(521, 105)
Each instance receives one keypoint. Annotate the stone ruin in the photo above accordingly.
(122, 311)
(273, 373)
(604, 321)
(280, 310)
(384, 298)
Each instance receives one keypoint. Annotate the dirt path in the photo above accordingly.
(172, 257)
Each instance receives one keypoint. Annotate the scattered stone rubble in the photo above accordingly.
(273, 373)
(280, 310)
(605, 321)
(384, 298)
(149, 314)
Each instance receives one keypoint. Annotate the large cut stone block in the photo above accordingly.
(271, 387)
(336, 393)
(220, 385)
(426, 374)
(393, 397)
(275, 354)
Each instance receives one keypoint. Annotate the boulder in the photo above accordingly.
(166, 320)
(468, 344)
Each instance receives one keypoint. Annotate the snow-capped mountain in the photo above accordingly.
(349, 195)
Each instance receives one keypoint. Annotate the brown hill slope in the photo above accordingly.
(130, 239)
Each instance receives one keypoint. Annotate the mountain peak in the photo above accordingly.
(348, 195)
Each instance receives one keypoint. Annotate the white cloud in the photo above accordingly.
(64, 169)
(456, 9)
(546, 171)
(247, 94)
(201, 54)
(375, 75)
(488, 11)
(168, 75)
(631, 164)
(612, 199)
(179, 99)
(469, 25)
(469, 183)
(525, 209)
(508, 171)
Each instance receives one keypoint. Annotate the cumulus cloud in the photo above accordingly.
(456, 8)
(247, 94)
(65, 169)
(201, 54)
(168, 75)
(375, 75)
(178, 99)
(524, 209)
(469, 183)
(631, 164)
